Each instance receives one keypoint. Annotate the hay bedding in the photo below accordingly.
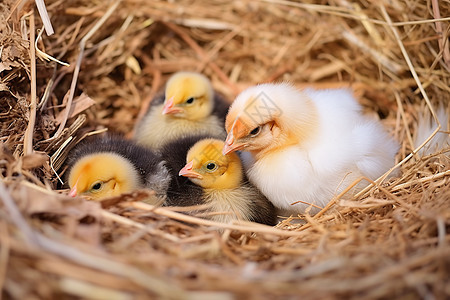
(390, 242)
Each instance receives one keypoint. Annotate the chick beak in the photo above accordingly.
(169, 108)
(231, 145)
(188, 172)
(73, 191)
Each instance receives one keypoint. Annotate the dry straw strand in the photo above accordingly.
(76, 72)
(44, 16)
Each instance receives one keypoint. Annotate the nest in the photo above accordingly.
(390, 241)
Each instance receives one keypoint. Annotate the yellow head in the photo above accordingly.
(102, 175)
(209, 168)
(189, 95)
(269, 116)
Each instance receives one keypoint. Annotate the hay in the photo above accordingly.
(390, 242)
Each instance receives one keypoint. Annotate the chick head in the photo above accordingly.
(209, 168)
(102, 175)
(253, 120)
(189, 95)
(267, 117)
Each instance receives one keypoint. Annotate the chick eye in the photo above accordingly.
(211, 166)
(190, 100)
(96, 186)
(255, 131)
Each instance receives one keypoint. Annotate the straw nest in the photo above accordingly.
(392, 241)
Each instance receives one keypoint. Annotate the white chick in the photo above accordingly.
(306, 145)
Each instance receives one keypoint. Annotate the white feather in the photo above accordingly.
(426, 126)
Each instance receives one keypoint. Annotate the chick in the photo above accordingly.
(110, 166)
(190, 107)
(181, 191)
(225, 188)
(306, 145)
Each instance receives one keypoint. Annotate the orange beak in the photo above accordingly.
(231, 145)
(188, 172)
(73, 191)
(169, 108)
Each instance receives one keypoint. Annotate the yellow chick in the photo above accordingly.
(90, 177)
(224, 185)
(189, 107)
(109, 166)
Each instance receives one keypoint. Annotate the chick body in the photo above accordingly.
(224, 185)
(110, 166)
(189, 106)
(242, 203)
(306, 145)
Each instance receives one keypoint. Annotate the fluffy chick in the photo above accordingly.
(224, 185)
(110, 166)
(189, 107)
(181, 191)
(306, 145)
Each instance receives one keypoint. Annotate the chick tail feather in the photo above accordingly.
(425, 128)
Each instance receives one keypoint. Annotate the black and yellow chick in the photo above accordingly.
(109, 166)
(189, 106)
(181, 191)
(224, 185)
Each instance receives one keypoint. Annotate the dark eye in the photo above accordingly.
(211, 166)
(255, 131)
(190, 100)
(97, 186)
